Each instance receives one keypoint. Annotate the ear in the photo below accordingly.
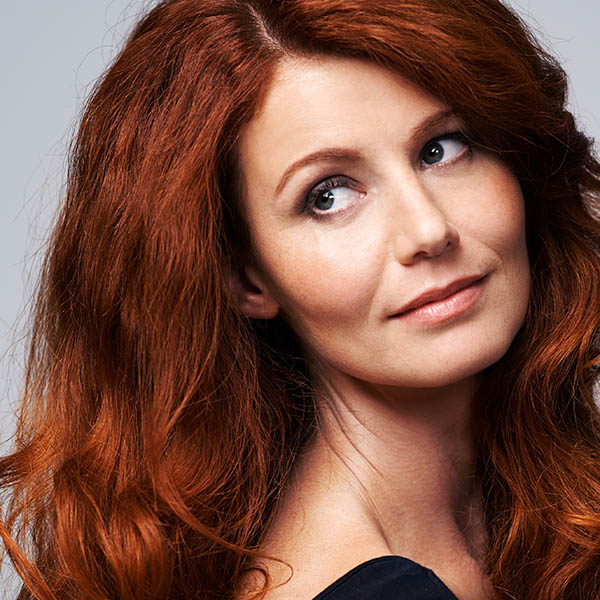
(250, 293)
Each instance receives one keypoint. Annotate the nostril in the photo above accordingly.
(438, 244)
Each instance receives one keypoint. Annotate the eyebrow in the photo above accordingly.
(335, 153)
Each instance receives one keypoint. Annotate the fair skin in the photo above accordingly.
(397, 254)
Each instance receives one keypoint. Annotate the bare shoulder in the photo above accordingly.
(282, 584)
(285, 583)
(304, 577)
(309, 537)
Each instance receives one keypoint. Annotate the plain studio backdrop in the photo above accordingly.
(52, 53)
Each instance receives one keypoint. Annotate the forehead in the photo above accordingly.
(321, 102)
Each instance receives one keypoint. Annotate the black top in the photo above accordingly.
(387, 578)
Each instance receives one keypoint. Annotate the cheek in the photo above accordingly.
(497, 216)
(325, 278)
(501, 228)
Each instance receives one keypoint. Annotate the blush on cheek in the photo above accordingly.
(322, 294)
(332, 278)
(501, 209)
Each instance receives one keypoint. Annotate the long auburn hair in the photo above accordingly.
(158, 425)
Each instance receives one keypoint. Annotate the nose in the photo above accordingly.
(426, 231)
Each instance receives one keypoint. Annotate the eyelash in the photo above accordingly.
(454, 135)
(335, 181)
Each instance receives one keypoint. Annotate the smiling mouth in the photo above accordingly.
(438, 305)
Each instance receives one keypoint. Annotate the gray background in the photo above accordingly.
(53, 51)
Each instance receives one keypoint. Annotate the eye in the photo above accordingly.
(444, 149)
(331, 196)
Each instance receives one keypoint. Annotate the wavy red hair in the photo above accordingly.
(158, 425)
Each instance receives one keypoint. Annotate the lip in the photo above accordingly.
(441, 304)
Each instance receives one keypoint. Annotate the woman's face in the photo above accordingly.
(395, 251)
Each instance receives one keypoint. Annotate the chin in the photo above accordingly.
(447, 365)
(460, 365)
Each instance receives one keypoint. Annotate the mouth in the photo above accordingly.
(441, 304)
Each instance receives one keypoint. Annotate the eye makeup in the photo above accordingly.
(440, 152)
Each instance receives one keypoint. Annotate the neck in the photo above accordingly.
(390, 472)
(408, 459)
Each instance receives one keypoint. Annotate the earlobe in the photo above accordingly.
(250, 293)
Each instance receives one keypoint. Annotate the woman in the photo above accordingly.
(318, 318)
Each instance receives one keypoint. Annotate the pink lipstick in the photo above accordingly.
(442, 304)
